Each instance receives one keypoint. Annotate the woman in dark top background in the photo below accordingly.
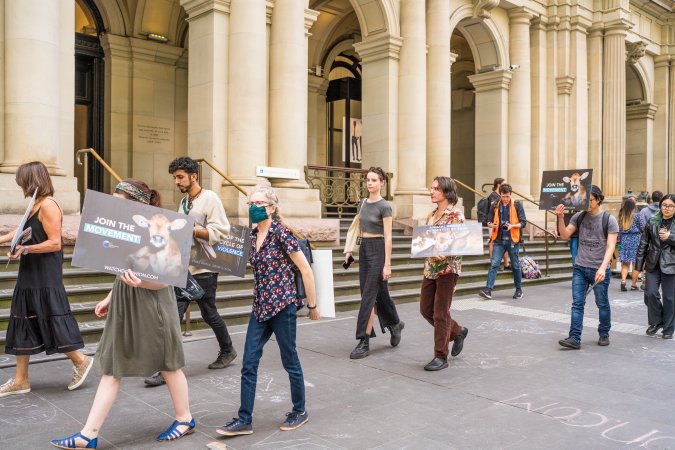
(656, 255)
(376, 224)
(40, 317)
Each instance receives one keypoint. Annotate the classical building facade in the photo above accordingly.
(472, 89)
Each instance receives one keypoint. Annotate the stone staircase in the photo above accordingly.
(85, 287)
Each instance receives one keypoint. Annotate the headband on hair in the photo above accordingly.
(133, 192)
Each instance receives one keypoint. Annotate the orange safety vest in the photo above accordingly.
(513, 219)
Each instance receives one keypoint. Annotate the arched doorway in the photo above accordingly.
(640, 115)
(480, 83)
(89, 91)
(463, 118)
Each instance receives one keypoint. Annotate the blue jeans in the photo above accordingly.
(574, 248)
(582, 279)
(283, 325)
(498, 250)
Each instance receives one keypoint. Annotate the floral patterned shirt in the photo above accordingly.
(274, 275)
(435, 266)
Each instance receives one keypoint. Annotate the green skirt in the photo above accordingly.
(142, 333)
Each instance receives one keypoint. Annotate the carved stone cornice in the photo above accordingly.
(482, 8)
(641, 111)
(317, 84)
(310, 18)
(490, 81)
(635, 51)
(376, 48)
(198, 8)
(142, 50)
(662, 61)
(564, 84)
(269, 6)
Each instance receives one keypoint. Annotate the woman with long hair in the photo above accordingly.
(656, 255)
(376, 222)
(630, 227)
(274, 252)
(141, 337)
(40, 317)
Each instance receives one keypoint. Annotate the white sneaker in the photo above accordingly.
(81, 373)
(12, 388)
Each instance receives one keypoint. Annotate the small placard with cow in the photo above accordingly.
(117, 234)
(572, 188)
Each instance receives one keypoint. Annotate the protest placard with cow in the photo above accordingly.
(117, 234)
(571, 187)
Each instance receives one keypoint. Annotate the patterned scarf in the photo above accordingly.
(133, 192)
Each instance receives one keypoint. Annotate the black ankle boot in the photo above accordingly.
(395, 331)
(362, 349)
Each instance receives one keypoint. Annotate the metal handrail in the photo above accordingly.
(210, 164)
(85, 163)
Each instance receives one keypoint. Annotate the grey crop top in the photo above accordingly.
(371, 215)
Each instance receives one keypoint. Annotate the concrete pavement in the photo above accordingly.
(512, 387)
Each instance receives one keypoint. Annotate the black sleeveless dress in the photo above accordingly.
(41, 320)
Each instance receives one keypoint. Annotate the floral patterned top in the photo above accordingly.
(274, 287)
(436, 266)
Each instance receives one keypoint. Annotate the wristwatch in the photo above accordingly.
(25, 250)
(311, 307)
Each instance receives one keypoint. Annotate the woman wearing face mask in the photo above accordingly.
(375, 266)
(275, 307)
(656, 255)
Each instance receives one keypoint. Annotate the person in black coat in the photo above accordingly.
(656, 255)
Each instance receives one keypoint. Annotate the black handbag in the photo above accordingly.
(192, 292)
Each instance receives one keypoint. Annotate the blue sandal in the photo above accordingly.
(172, 433)
(69, 442)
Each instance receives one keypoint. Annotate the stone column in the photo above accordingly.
(316, 121)
(247, 124)
(379, 111)
(671, 127)
(661, 93)
(438, 89)
(411, 194)
(614, 110)
(492, 97)
(578, 151)
(32, 78)
(520, 102)
(595, 93)
(207, 125)
(640, 146)
(539, 63)
(288, 88)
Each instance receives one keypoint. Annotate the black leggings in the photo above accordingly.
(374, 289)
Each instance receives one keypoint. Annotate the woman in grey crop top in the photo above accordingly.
(376, 222)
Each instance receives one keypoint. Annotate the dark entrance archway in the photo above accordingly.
(89, 79)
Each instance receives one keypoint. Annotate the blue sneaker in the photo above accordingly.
(294, 420)
(235, 428)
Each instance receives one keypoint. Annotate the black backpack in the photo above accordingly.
(482, 210)
(605, 222)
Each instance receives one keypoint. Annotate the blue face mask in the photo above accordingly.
(257, 213)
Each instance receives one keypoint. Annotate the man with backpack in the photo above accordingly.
(485, 205)
(506, 221)
(598, 231)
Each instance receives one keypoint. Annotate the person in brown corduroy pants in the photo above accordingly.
(440, 278)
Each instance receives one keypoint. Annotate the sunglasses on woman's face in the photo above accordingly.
(259, 203)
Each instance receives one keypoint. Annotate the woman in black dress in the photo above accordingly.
(40, 316)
